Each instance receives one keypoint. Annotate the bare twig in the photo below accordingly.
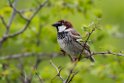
(3, 21)
(23, 75)
(38, 60)
(71, 78)
(28, 78)
(58, 70)
(38, 35)
(71, 73)
(5, 67)
(40, 79)
(35, 66)
(12, 15)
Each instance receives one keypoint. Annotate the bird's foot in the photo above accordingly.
(75, 59)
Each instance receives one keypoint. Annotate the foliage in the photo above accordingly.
(41, 37)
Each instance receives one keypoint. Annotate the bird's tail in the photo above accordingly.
(92, 59)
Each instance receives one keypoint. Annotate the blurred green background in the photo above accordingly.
(41, 37)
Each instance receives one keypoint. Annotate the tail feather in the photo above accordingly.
(92, 59)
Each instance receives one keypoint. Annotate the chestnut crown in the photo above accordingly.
(62, 25)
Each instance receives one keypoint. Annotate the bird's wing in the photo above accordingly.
(76, 36)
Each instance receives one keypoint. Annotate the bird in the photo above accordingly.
(70, 41)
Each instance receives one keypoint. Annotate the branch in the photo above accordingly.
(41, 56)
(7, 25)
(25, 10)
(106, 53)
(16, 56)
(50, 55)
(71, 78)
(38, 35)
(29, 21)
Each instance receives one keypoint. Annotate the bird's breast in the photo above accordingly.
(69, 46)
(62, 35)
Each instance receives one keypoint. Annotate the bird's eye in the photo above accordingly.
(59, 24)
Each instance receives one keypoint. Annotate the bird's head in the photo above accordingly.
(62, 25)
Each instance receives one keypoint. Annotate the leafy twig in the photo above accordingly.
(28, 21)
(7, 25)
(90, 33)
(17, 11)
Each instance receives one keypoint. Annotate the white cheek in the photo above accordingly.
(62, 28)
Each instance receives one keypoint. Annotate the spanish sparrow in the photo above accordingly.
(70, 41)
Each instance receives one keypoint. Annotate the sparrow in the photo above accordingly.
(70, 41)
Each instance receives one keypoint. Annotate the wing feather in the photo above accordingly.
(76, 36)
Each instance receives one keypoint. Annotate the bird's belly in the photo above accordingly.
(70, 47)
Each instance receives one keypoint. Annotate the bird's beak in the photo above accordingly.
(56, 24)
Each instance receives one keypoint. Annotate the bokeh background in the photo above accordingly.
(41, 37)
